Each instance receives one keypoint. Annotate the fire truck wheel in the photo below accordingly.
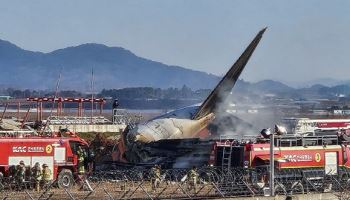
(280, 189)
(65, 179)
(297, 188)
(345, 137)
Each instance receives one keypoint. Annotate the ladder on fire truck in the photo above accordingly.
(226, 155)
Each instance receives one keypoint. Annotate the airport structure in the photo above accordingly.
(60, 101)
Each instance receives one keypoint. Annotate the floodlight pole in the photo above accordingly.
(272, 165)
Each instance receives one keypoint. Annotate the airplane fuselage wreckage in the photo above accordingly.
(169, 138)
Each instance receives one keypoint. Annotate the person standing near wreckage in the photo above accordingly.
(192, 176)
(81, 169)
(37, 174)
(81, 161)
(46, 176)
(155, 177)
(20, 173)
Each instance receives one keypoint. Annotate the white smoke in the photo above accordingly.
(240, 115)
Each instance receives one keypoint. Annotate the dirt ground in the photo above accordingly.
(323, 196)
(143, 190)
(98, 195)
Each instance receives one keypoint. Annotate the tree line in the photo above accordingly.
(124, 93)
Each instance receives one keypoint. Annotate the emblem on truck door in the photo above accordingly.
(318, 157)
(48, 148)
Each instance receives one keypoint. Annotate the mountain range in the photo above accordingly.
(114, 67)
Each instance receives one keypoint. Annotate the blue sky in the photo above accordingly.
(305, 39)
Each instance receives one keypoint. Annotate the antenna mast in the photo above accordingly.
(54, 100)
(92, 94)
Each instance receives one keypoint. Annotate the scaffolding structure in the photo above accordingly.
(60, 102)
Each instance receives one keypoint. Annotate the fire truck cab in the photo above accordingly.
(59, 153)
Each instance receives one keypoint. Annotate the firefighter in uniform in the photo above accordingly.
(155, 177)
(193, 176)
(20, 173)
(81, 170)
(46, 175)
(81, 159)
(36, 173)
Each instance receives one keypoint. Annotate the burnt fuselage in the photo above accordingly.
(172, 153)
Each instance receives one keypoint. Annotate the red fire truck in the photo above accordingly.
(311, 163)
(326, 155)
(58, 152)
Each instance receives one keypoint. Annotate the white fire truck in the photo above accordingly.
(306, 126)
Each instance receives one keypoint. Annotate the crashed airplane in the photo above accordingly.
(171, 136)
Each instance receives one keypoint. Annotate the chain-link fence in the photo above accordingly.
(174, 184)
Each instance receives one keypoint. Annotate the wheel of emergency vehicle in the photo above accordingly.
(345, 137)
(345, 177)
(297, 188)
(280, 189)
(258, 179)
(65, 179)
(1, 182)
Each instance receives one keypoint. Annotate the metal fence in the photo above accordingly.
(174, 184)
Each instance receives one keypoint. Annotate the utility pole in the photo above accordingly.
(92, 94)
(52, 106)
(272, 165)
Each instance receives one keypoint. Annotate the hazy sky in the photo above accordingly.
(305, 39)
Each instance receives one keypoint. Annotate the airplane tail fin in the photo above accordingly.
(226, 84)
